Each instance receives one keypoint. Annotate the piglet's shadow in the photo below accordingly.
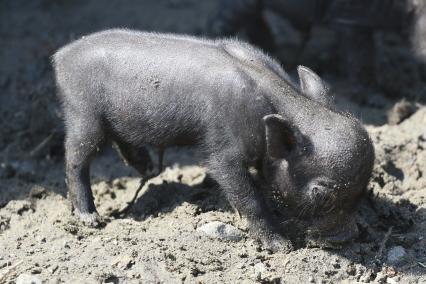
(165, 197)
(384, 224)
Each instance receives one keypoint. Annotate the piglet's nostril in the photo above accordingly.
(325, 184)
(319, 187)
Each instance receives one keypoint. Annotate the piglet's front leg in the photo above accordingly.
(240, 190)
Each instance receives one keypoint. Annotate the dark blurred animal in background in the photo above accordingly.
(354, 21)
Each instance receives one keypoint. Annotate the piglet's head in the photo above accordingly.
(318, 163)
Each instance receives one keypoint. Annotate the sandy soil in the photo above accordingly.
(159, 241)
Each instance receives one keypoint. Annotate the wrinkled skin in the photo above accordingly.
(231, 102)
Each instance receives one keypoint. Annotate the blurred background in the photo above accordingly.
(369, 51)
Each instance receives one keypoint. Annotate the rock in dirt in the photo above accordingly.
(38, 192)
(400, 111)
(259, 269)
(4, 223)
(396, 255)
(391, 281)
(221, 231)
(262, 274)
(27, 279)
(123, 262)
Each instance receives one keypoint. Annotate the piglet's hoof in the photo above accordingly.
(276, 244)
(90, 219)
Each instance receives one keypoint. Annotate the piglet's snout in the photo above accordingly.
(322, 197)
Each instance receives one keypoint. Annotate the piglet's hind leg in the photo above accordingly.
(84, 137)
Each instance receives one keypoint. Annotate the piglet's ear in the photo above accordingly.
(281, 138)
(314, 87)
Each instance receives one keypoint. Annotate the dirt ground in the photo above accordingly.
(161, 239)
(159, 242)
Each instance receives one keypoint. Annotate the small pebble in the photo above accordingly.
(28, 279)
(259, 269)
(221, 230)
(400, 111)
(123, 262)
(391, 281)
